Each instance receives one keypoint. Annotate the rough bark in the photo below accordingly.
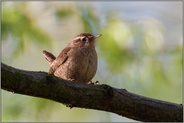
(101, 97)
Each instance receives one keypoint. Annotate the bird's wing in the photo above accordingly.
(61, 58)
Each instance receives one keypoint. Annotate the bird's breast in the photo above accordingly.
(83, 65)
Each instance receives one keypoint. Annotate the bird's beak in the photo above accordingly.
(97, 36)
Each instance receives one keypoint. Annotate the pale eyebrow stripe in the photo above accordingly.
(76, 38)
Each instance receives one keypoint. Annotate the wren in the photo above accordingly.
(77, 62)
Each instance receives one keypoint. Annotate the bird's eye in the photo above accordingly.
(84, 39)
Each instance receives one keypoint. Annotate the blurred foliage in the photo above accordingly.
(115, 38)
(85, 14)
(132, 55)
(17, 23)
(89, 19)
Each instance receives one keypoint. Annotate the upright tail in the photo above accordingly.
(49, 56)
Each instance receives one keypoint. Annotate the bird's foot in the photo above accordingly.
(71, 80)
(94, 83)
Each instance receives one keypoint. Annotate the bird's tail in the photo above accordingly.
(49, 56)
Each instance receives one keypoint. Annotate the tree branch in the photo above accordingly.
(101, 97)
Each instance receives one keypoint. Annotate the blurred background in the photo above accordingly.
(140, 50)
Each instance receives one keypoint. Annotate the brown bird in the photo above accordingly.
(77, 61)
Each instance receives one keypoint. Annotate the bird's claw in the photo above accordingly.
(94, 83)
